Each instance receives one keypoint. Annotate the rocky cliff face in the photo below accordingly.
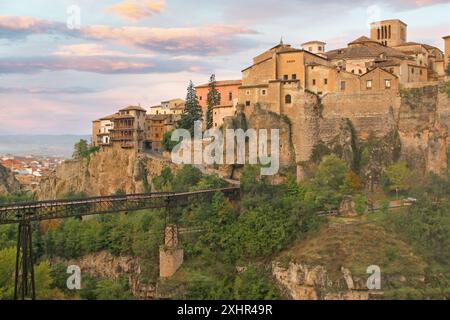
(304, 282)
(106, 266)
(412, 126)
(8, 183)
(103, 173)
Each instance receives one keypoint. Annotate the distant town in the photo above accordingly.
(30, 170)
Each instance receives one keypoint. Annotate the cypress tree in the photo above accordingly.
(213, 100)
(192, 111)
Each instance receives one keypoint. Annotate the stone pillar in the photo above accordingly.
(171, 253)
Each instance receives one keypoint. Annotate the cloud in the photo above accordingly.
(93, 64)
(137, 10)
(199, 40)
(69, 90)
(203, 40)
(93, 49)
(12, 27)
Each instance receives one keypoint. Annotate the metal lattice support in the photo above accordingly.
(24, 285)
(24, 213)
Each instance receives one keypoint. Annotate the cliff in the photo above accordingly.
(332, 263)
(411, 125)
(103, 265)
(104, 173)
(8, 183)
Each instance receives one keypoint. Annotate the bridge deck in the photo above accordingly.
(56, 209)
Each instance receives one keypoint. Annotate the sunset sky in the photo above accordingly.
(55, 80)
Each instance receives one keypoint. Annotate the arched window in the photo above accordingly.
(288, 99)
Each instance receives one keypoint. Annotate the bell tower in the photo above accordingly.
(389, 32)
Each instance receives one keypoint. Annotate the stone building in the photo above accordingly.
(129, 128)
(173, 107)
(101, 130)
(228, 96)
(156, 127)
(390, 33)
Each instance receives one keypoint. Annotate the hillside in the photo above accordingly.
(8, 183)
(332, 263)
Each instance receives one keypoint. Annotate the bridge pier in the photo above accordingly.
(24, 286)
(171, 253)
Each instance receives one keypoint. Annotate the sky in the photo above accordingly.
(65, 63)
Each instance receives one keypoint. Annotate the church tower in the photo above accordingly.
(389, 32)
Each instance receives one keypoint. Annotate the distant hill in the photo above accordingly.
(45, 145)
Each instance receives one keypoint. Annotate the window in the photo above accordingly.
(342, 85)
(294, 77)
(325, 81)
(360, 71)
(369, 84)
(200, 98)
(215, 124)
(353, 71)
(230, 96)
(219, 96)
(387, 84)
(412, 70)
(247, 103)
(285, 77)
(288, 99)
(320, 48)
(420, 72)
(314, 82)
(247, 92)
(264, 92)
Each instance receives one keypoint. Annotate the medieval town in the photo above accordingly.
(364, 79)
(358, 208)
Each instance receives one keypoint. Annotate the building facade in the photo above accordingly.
(129, 128)
(228, 96)
(157, 126)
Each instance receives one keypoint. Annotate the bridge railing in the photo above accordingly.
(56, 209)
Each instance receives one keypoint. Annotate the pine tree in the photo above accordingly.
(192, 111)
(213, 100)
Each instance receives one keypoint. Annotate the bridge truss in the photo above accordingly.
(23, 214)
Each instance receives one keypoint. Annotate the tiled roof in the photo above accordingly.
(223, 83)
(138, 108)
(364, 52)
(110, 117)
(313, 41)
(363, 39)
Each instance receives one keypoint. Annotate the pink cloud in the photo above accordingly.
(137, 10)
(211, 39)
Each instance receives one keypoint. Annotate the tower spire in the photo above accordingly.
(281, 40)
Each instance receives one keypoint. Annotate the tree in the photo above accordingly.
(213, 100)
(327, 184)
(80, 149)
(397, 176)
(192, 111)
(185, 178)
(163, 182)
(167, 142)
(83, 150)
